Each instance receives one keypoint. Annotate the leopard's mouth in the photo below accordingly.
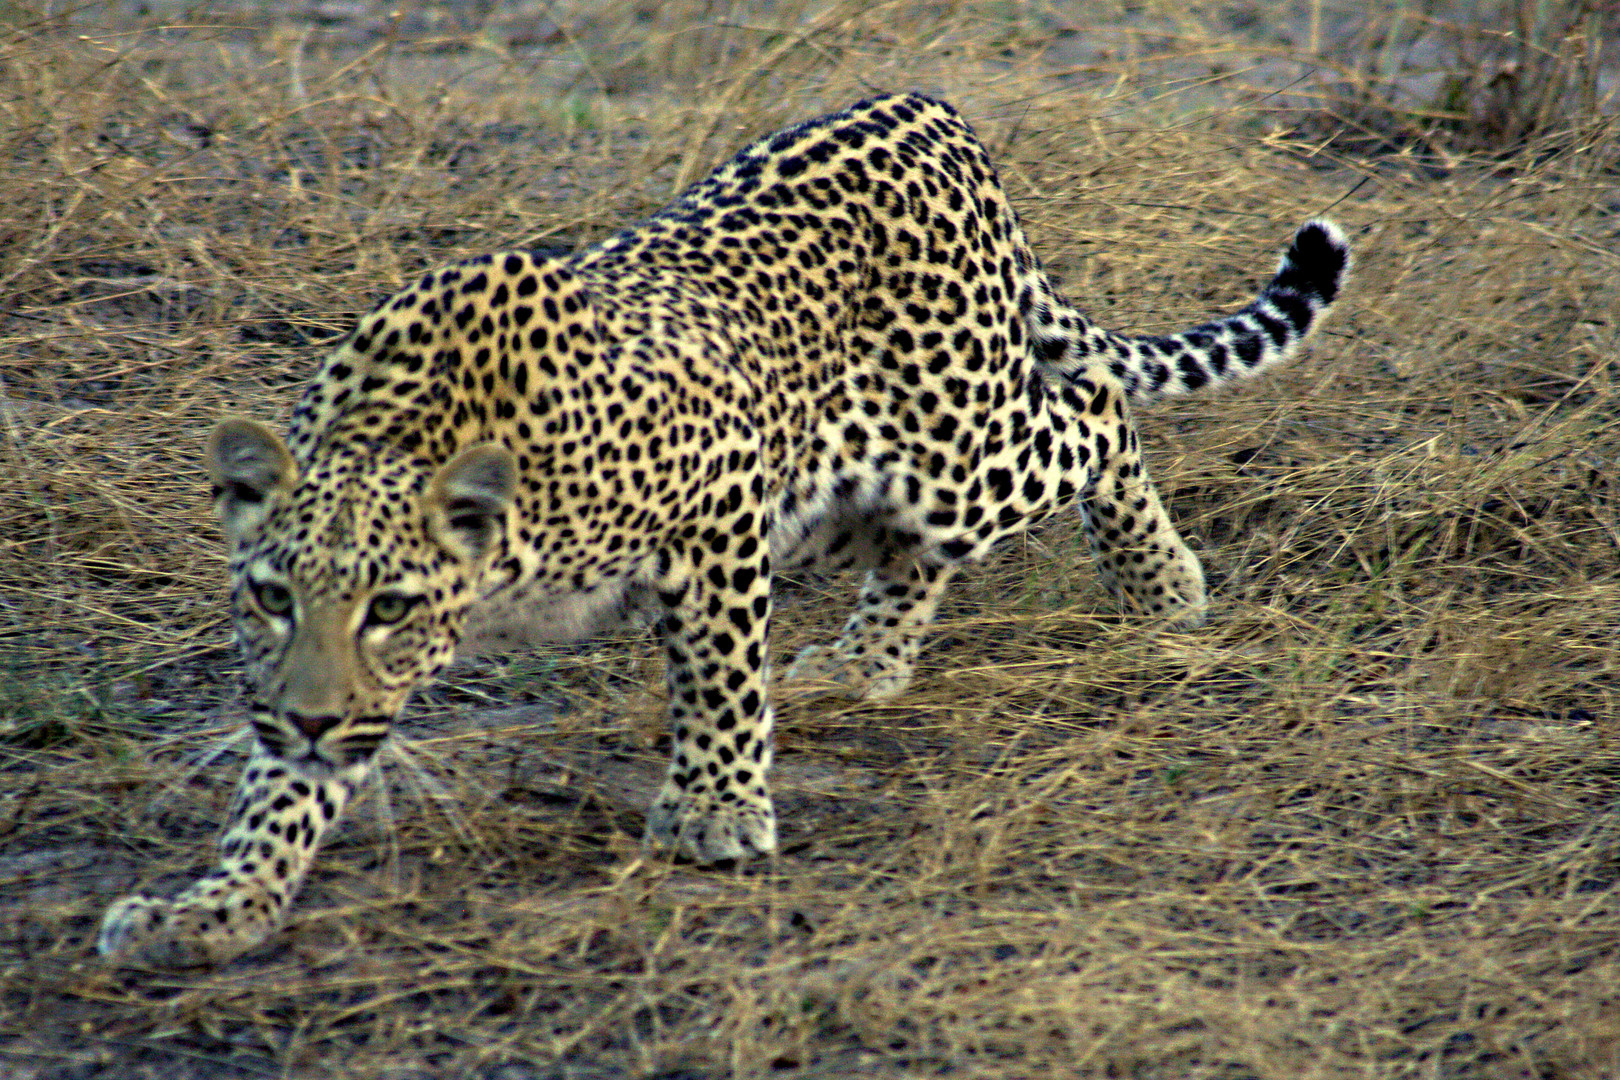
(336, 754)
(326, 761)
(313, 762)
(354, 744)
(341, 746)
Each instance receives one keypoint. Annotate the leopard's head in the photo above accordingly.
(350, 579)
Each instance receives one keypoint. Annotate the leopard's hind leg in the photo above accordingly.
(1141, 558)
(875, 655)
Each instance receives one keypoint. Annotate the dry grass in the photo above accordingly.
(1361, 826)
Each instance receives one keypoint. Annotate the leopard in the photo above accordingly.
(837, 352)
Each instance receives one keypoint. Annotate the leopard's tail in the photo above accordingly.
(1265, 333)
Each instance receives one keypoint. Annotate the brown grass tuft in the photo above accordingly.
(1361, 826)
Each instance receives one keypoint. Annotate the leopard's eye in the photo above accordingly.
(274, 597)
(388, 608)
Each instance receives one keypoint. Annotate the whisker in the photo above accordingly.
(216, 749)
(377, 785)
(429, 789)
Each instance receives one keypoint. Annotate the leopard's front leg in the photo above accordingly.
(276, 823)
(716, 594)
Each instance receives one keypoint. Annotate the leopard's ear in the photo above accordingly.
(467, 498)
(247, 463)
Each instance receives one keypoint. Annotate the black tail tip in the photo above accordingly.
(1316, 261)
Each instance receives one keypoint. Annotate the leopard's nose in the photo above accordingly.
(314, 727)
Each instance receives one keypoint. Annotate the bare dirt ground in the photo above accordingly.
(1363, 825)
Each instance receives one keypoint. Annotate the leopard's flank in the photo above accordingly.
(837, 351)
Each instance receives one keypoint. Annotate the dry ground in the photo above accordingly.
(1361, 826)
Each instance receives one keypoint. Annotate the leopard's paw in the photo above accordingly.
(188, 931)
(876, 676)
(702, 827)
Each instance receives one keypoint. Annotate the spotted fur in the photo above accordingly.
(837, 351)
